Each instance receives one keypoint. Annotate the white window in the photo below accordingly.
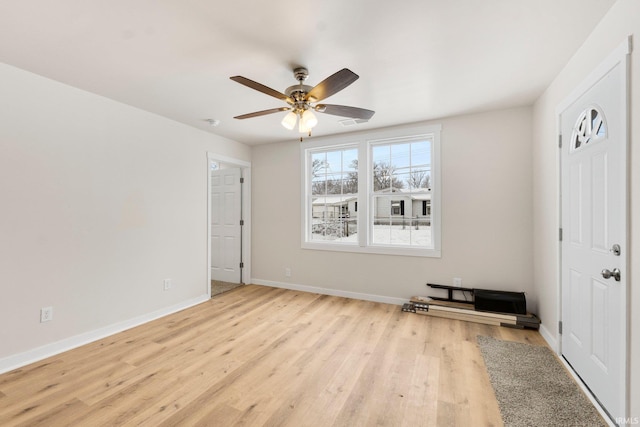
(333, 194)
(377, 192)
(401, 179)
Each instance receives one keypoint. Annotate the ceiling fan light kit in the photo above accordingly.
(309, 119)
(302, 99)
(303, 129)
(289, 120)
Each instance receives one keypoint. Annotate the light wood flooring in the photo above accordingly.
(260, 356)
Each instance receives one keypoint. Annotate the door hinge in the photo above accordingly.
(241, 180)
(560, 327)
(560, 234)
(242, 222)
(242, 265)
(560, 141)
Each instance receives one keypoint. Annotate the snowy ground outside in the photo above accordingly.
(389, 235)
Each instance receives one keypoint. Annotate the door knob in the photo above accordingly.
(615, 274)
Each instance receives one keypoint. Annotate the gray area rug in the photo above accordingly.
(533, 388)
(218, 287)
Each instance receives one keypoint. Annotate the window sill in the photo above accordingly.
(378, 250)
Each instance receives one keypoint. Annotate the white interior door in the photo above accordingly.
(593, 164)
(225, 225)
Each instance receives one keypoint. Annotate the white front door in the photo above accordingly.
(225, 225)
(594, 245)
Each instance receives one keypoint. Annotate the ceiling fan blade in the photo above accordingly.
(262, 113)
(261, 88)
(344, 111)
(331, 85)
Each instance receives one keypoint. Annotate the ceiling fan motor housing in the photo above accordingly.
(301, 74)
(299, 90)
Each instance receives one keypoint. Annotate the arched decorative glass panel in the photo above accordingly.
(590, 127)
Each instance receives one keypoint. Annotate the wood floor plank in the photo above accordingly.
(362, 405)
(46, 398)
(189, 374)
(265, 356)
(246, 350)
(63, 414)
(317, 392)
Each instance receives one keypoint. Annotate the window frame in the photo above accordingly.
(364, 141)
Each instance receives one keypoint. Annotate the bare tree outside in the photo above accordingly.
(316, 166)
(384, 179)
(420, 179)
(351, 181)
(347, 185)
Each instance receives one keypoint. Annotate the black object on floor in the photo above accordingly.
(499, 301)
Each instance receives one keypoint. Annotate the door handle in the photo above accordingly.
(615, 274)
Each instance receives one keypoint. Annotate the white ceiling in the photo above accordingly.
(417, 59)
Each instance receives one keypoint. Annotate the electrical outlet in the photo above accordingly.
(46, 314)
(287, 272)
(457, 281)
(167, 284)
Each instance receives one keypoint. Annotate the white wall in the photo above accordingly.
(99, 202)
(622, 20)
(486, 211)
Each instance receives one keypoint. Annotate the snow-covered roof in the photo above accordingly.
(333, 200)
(414, 194)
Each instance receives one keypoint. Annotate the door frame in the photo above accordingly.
(620, 56)
(246, 214)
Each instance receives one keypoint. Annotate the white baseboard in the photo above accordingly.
(549, 338)
(328, 291)
(22, 359)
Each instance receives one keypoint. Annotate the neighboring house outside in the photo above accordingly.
(333, 207)
(403, 207)
(334, 216)
(397, 207)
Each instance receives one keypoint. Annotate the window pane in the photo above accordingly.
(420, 179)
(400, 155)
(334, 160)
(318, 164)
(390, 227)
(334, 184)
(350, 166)
(319, 185)
(333, 219)
(381, 154)
(334, 188)
(401, 179)
(384, 179)
(350, 160)
(421, 153)
(401, 208)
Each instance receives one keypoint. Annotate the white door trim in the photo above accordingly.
(246, 213)
(618, 57)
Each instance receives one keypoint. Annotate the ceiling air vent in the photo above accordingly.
(352, 122)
